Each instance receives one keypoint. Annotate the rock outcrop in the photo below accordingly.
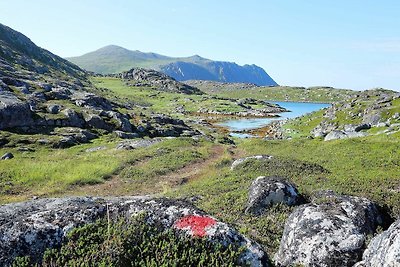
(330, 231)
(336, 134)
(129, 145)
(384, 249)
(157, 80)
(241, 161)
(267, 191)
(29, 228)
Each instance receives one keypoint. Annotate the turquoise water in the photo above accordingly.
(297, 109)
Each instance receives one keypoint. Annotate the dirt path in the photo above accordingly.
(114, 186)
(192, 171)
(118, 186)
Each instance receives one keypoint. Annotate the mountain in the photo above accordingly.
(114, 59)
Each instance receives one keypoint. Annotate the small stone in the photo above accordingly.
(43, 141)
(53, 109)
(7, 156)
(94, 149)
(125, 135)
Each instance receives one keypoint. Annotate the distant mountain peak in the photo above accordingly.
(197, 57)
(113, 47)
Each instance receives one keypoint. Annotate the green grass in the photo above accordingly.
(302, 126)
(167, 159)
(53, 171)
(362, 166)
(367, 167)
(166, 102)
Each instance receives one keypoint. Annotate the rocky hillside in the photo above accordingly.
(367, 113)
(42, 93)
(114, 59)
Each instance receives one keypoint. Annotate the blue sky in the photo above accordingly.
(342, 43)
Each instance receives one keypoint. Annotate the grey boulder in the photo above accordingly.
(74, 119)
(356, 127)
(96, 122)
(267, 191)
(336, 134)
(372, 118)
(384, 249)
(14, 112)
(91, 101)
(330, 231)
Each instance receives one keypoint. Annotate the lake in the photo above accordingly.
(297, 109)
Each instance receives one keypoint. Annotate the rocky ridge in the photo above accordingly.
(156, 80)
(369, 109)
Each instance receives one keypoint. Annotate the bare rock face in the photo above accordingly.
(330, 231)
(384, 249)
(266, 191)
(29, 228)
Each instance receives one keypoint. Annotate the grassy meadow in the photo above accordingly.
(200, 169)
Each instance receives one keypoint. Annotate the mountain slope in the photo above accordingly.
(17, 50)
(113, 59)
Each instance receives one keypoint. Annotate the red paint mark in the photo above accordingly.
(197, 224)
